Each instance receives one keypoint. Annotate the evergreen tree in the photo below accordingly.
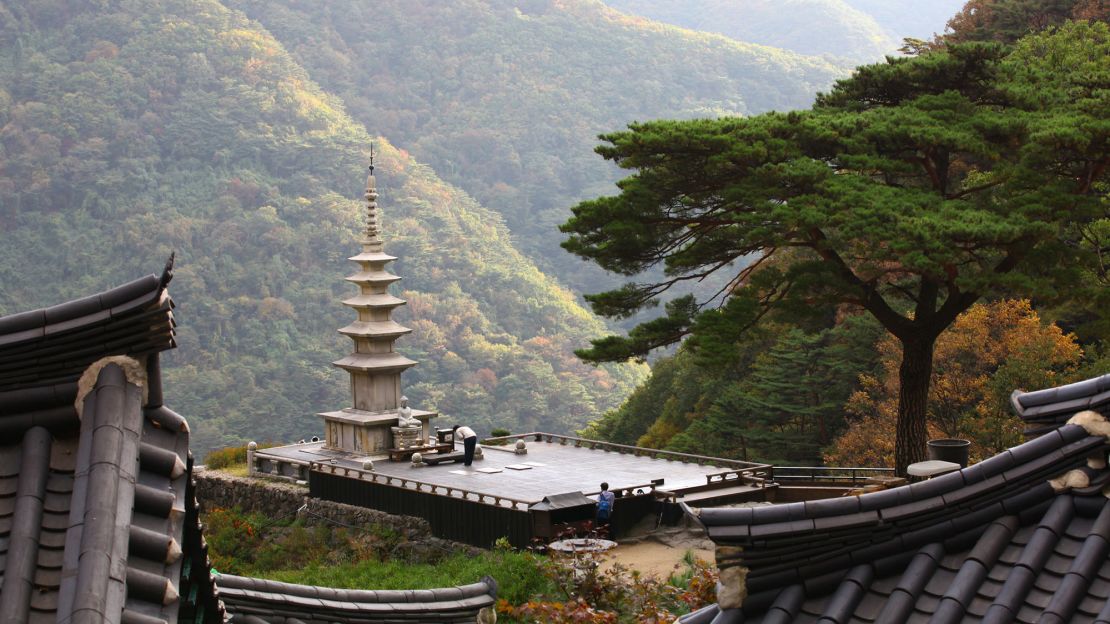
(912, 190)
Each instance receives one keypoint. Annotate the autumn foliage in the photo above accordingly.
(990, 350)
(594, 595)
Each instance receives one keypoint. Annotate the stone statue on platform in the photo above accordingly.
(404, 415)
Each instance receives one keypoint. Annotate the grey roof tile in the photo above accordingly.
(41, 355)
(995, 541)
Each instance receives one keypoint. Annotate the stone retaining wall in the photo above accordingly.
(277, 499)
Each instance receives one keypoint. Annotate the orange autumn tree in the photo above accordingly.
(990, 350)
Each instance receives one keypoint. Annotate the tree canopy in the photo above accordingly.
(911, 190)
(1009, 20)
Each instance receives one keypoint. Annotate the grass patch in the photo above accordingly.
(235, 470)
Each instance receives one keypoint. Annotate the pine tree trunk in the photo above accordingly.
(913, 395)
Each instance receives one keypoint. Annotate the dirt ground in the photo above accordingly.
(660, 551)
(650, 557)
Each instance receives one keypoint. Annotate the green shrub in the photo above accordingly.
(230, 455)
(497, 433)
(233, 539)
(254, 544)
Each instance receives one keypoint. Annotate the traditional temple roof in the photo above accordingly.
(98, 516)
(258, 601)
(93, 468)
(46, 350)
(1047, 409)
(1023, 536)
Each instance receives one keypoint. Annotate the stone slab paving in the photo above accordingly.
(555, 469)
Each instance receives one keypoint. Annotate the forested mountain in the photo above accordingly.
(132, 129)
(505, 98)
(813, 27)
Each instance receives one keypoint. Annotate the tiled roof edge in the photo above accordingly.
(1046, 409)
(247, 596)
(139, 290)
(1007, 460)
(781, 545)
(43, 352)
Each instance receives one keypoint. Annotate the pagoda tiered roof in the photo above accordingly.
(375, 329)
(373, 277)
(374, 362)
(374, 300)
(372, 256)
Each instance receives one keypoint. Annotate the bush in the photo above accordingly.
(254, 544)
(233, 539)
(497, 433)
(618, 595)
(230, 455)
(531, 588)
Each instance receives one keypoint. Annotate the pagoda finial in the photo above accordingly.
(372, 233)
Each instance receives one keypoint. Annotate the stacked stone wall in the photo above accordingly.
(278, 499)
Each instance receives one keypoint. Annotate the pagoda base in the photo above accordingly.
(407, 437)
(359, 431)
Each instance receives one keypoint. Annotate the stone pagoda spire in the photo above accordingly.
(375, 368)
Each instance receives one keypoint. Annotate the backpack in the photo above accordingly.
(604, 506)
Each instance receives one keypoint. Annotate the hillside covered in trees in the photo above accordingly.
(179, 125)
(506, 99)
(130, 130)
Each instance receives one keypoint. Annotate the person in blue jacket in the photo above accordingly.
(605, 500)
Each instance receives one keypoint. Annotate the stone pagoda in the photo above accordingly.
(375, 421)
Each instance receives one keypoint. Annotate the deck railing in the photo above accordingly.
(834, 474)
(420, 486)
(738, 476)
(763, 471)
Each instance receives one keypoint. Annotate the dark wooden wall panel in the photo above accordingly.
(451, 518)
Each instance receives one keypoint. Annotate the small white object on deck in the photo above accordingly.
(931, 468)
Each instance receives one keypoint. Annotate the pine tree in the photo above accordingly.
(911, 190)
